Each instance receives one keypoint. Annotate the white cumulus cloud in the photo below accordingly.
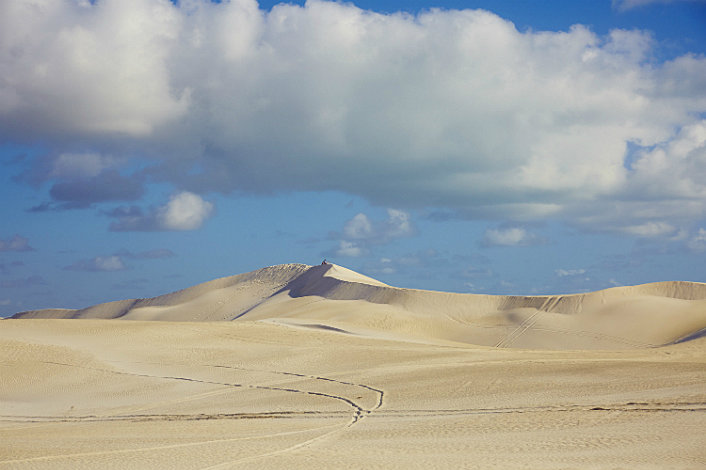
(183, 211)
(456, 110)
(359, 227)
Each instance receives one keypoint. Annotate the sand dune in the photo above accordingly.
(333, 297)
(325, 368)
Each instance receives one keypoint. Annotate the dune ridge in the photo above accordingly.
(303, 367)
(333, 297)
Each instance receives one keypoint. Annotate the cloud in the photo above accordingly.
(80, 165)
(651, 229)
(80, 179)
(350, 249)
(513, 236)
(472, 272)
(104, 187)
(16, 243)
(116, 261)
(625, 5)
(184, 211)
(94, 68)
(569, 272)
(99, 263)
(360, 227)
(486, 121)
(360, 233)
(66, 165)
(420, 260)
(697, 243)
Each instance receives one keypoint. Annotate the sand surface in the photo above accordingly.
(325, 368)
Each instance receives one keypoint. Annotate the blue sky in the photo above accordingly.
(501, 147)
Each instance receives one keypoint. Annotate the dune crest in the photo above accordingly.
(338, 299)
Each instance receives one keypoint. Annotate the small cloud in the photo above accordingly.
(650, 229)
(80, 165)
(350, 249)
(698, 242)
(397, 225)
(358, 228)
(569, 272)
(476, 272)
(385, 266)
(420, 261)
(184, 211)
(43, 207)
(513, 236)
(504, 286)
(625, 5)
(16, 243)
(470, 287)
(360, 233)
(99, 263)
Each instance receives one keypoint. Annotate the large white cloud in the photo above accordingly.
(446, 109)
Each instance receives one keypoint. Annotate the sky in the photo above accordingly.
(490, 147)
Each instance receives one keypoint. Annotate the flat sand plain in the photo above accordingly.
(322, 373)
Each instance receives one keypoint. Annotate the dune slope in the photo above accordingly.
(322, 367)
(338, 299)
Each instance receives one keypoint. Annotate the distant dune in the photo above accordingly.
(334, 298)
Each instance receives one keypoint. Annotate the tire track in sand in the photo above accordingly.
(380, 393)
(157, 448)
(358, 411)
(528, 323)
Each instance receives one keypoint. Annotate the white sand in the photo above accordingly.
(326, 368)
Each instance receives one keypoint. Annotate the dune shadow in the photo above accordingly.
(696, 335)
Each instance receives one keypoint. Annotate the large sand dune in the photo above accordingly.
(325, 368)
(330, 296)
